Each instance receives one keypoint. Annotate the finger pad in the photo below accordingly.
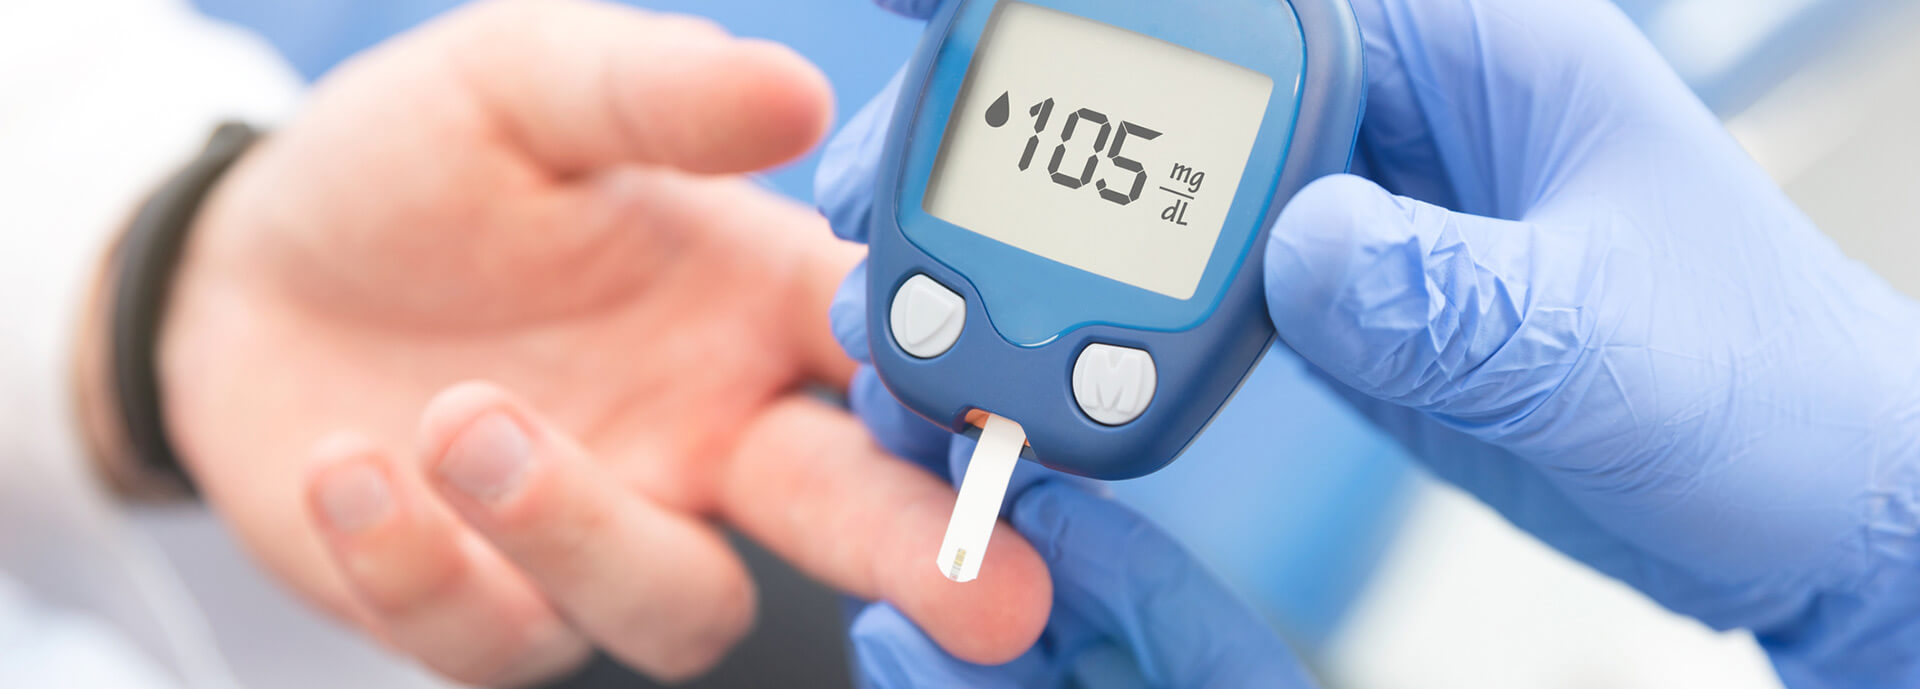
(770, 106)
(992, 619)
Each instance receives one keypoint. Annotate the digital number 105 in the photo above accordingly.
(1108, 142)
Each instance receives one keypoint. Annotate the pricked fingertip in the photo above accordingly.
(997, 617)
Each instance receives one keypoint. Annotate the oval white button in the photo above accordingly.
(927, 317)
(1114, 385)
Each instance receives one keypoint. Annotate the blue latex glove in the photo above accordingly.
(1131, 610)
(1565, 288)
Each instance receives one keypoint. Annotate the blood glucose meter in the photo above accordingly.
(1067, 228)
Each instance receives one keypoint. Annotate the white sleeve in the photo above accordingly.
(99, 101)
(44, 647)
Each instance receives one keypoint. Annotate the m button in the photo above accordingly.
(1114, 385)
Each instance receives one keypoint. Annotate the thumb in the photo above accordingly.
(582, 85)
(1474, 320)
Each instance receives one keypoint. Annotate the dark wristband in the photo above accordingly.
(143, 271)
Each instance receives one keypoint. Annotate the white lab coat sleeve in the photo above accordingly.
(99, 101)
(47, 648)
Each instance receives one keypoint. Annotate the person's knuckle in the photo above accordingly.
(733, 612)
(473, 668)
(512, 654)
(677, 647)
(680, 662)
(552, 526)
(480, 665)
(400, 583)
(540, 653)
(468, 655)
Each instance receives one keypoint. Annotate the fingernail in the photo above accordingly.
(355, 498)
(489, 460)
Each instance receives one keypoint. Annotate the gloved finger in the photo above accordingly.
(891, 653)
(1397, 147)
(808, 481)
(848, 314)
(1449, 83)
(850, 165)
(1454, 333)
(659, 590)
(1109, 667)
(1471, 320)
(1523, 492)
(915, 9)
(903, 433)
(420, 580)
(583, 85)
(1127, 578)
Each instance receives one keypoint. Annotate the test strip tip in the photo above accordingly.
(955, 567)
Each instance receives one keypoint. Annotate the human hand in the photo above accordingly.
(1131, 609)
(546, 195)
(1622, 335)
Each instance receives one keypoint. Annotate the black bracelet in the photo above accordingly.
(143, 274)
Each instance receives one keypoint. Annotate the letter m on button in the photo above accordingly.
(1113, 384)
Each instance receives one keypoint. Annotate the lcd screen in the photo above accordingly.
(1099, 148)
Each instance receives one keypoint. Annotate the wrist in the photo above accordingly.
(117, 362)
(1860, 627)
(1862, 638)
(102, 432)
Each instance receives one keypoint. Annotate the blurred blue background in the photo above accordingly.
(1734, 51)
(1289, 495)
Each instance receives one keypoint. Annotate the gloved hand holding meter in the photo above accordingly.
(1555, 280)
(1065, 245)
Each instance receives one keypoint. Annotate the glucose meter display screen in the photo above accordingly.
(1107, 150)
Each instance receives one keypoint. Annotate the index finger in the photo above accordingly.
(809, 482)
(581, 85)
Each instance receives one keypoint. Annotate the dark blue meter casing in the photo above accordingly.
(1046, 246)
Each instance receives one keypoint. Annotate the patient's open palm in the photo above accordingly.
(547, 197)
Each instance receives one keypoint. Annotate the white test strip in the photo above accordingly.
(981, 492)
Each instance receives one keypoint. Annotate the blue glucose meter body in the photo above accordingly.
(1067, 228)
